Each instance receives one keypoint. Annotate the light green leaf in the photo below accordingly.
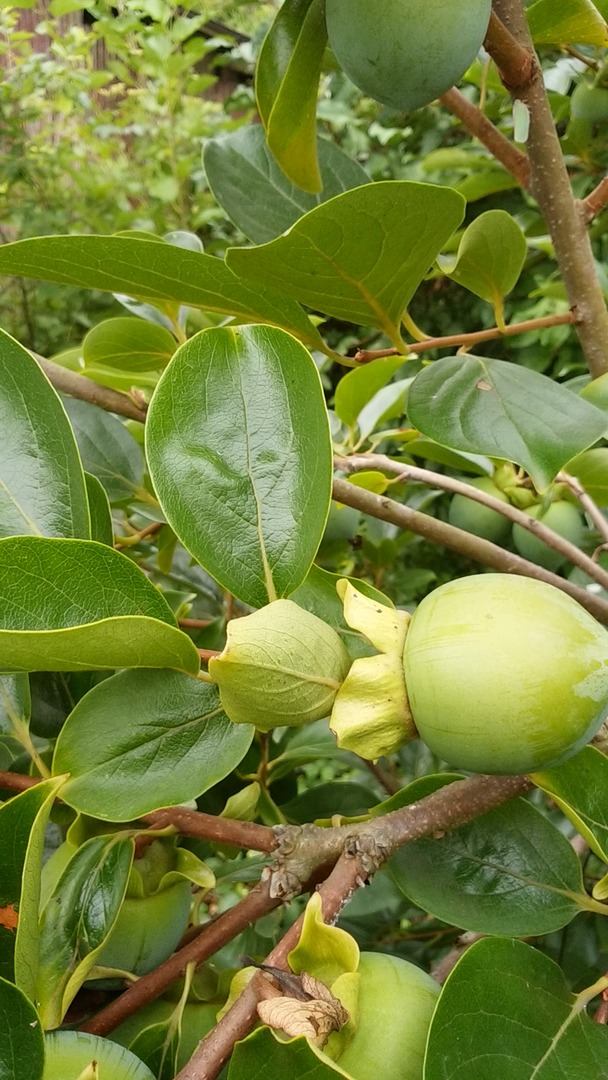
(490, 258)
(99, 510)
(132, 345)
(239, 448)
(261, 1056)
(77, 919)
(287, 82)
(68, 1055)
(74, 605)
(566, 22)
(256, 194)
(22, 826)
(108, 451)
(580, 788)
(591, 470)
(21, 1036)
(486, 406)
(178, 744)
(509, 871)
(359, 386)
(324, 951)
(154, 271)
(506, 1011)
(361, 255)
(42, 489)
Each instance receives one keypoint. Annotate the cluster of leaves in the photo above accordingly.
(123, 555)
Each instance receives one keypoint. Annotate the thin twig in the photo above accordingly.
(473, 547)
(361, 462)
(78, 386)
(595, 201)
(587, 503)
(499, 146)
(562, 318)
(244, 834)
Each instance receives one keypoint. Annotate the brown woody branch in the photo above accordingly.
(244, 834)
(595, 201)
(473, 547)
(483, 129)
(509, 43)
(78, 386)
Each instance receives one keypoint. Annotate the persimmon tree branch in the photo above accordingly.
(483, 129)
(366, 848)
(467, 341)
(474, 547)
(510, 45)
(595, 201)
(78, 386)
(194, 823)
(586, 502)
(359, 462)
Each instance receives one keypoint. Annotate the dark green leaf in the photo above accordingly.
(108, 451)
(509, 871)
(256, 195)
(158, 1047)
(580, 787)
(178, 743)
(74, 605)
(99, 510)
(152, 270)
(287, 83)
(239, 448)
(361, 255)
(42, 489)
(507, 1012)
(21, 1036)
(22, 823)
(77, 919)
(486, 406)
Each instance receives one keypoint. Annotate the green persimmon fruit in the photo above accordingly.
(75, 1055)
(475, 518)
(147, 930)
(396, 1003)
(406, 53)
(505, 674)
(564, 519)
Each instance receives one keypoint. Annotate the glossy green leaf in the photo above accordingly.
(566, 22)
(490, 258)
(75, 605)
(360, 385)
(22, 824)
(509, 871)
(155, 271)
(580, 788)
(287, 84)
(361, 255)
(487, 406)
(239, 448)
(591, 469)
(42, 489)
(108, 451)
(261, 1057)
(506, 1011)
(77, 919)
(21, 1036)
(254, 192)
(132, 345)
(69, 1054)
(99, 510)
(178, 743)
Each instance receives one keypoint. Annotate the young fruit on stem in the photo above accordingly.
(505, 674)
(406, 53)
(480, 520)
(564, 519)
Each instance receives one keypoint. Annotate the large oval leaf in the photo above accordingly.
(580, 788)
(254, 192)
(152, 270)
(506, 1012)
(72, 605)
(108, 451)
(42, 489)
(486, 406)
(362, 255)
(173, 743)
(131, 345)
(240, 455)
